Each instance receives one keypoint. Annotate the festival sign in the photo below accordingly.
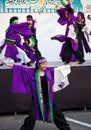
(45, 6)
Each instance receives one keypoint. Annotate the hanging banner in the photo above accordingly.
(45, 6)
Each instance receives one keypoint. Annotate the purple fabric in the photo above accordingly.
(23, 76)
(63, 20)
(63, 38)
(20, 80)
(75, 45)
(73, 18)
(26, 37)
(15, 30)
(12, 33)
(29, 32)
(42, 60)
(29, 52)
(61, 85)
(11, 52)
(25, 31)
(2, 46)
(60, 38)
(61, 12)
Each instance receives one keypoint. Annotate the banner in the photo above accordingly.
(45, 6)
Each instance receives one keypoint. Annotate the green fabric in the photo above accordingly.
(50, 104)
(63, 3)
(32, 41)
(37, 85)
(9, 40)
(51, 111)
(15, 21)
(77, 29)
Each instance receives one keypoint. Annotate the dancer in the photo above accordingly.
(43, 82)
(11, 49)
(82, 32)
(31, 42)
(70, 45)
(82, 35)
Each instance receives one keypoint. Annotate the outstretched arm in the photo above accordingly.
(7, 64)
(61, 12)
(61, 76)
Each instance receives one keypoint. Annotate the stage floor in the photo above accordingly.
(78, 120)
(53, 64)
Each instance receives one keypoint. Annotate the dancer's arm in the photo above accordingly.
(7, 64)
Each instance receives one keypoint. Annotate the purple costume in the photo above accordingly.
(69, 49)
(63, 20)
(82, 41)
(13, 38)
(42, 87)
(27, 76)
(30, 51)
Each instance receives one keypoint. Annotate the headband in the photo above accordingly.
(14, 21)
(41, 61)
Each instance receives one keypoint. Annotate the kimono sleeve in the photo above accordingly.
(20, 80)
(61, 12)
(60, 38)
(72, 33)
(61, 77)
(86, 29)
(62, 19)
(22, 29)
(17, 26)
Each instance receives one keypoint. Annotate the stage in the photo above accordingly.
(75, 96)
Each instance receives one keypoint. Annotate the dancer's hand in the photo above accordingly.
(89, 17)
(75, 40)
(4, 63)
(7, 64)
